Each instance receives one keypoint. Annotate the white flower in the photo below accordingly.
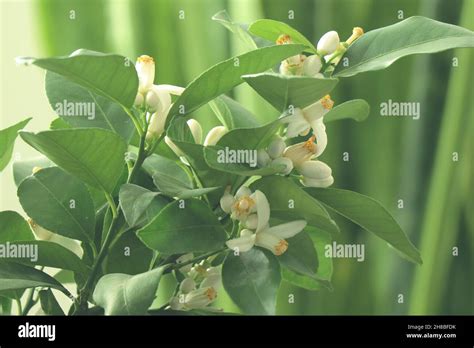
(214, 135)
(173, 147)
(184, 258)
(146, 73)
(200, 298)
(328, 43)
(316, 174)
(271, 238)
(312, 66)
(196, 130)
(263, 159)
(294, 64)
(301, 152)
(246, 205)
(301, 121)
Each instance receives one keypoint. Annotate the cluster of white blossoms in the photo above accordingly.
(252, 210)
(303, 156)
(199, 288)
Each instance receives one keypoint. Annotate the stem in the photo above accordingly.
(135, 121)
(20, 307)
(29, 302)
(140, 159)
(196, 259)
(112, 204)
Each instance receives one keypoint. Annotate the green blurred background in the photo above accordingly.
(391, 159)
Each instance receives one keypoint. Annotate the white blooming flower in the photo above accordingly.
(294, 64)
(271, 238)
(145, 67)
(328, 43)
(316, 174)
(196, 130)
(214, 135)
(302, 152)
(301, 121)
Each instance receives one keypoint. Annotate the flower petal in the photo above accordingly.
(317, 183)
(287, 230)
(171, 89)
(263, 209)
(241, 244)
(319, 131)
(271, 242)
(243, 191)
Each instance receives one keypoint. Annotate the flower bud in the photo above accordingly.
(263, 159)
(187, 285)
(153, 101)
(214, 135)
(138, 99)
(251, 222)
(328, 43)
(196, 130)
(315, 170)
(276, 148)
(317, 183)
(157, 125)
(173, 147)
(145, 67)
(312, 66)
(226, 202)
(286, 162)
(185, 258)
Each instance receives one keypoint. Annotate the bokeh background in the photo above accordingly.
(391, 158)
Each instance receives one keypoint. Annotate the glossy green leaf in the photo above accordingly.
(301, 255)
(281, 91)
(15, 276)
(49, 304)
(13, 227)
(96, 156)
(24, 168)
(80, 107)
(250, 138)
(357, 109)
(252, 280)
(232, 114)
(123, 294)
(110, 75)
(136, 201)
(49, 254)
(203, 88)
(378, 49)
(59, 203)
(322, 278)
(223, 18)
(7, 142)
(184, 226)
(368, 214)
(288, 201)
(59, 123)
(270, 30)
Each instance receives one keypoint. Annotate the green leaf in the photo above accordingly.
(13, 227)
(322, 278)
(368, 214)
(357, 109)
(15, 276)
(252, 280)
(281, 91)
(204, 88)
(128, 255)
(7, 142)
(270, 29)
(82, 108)
(49, 304)
(59, 123)
(184, 226)
(232, 114)
(223, 18)
(96, 156)
(290, 201)
(301, 255)
(136, 201)
(123, 294)
(49, 254)
(23, 169)
(378, 49)
(110, 75)
(59, 203)
(250, 138)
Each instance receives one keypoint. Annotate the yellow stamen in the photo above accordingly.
(281, 247)
(283, 39)
(243, 205)
(211, 294)
(310, 145)
(327, 102)
(356, 33)
(145, 59)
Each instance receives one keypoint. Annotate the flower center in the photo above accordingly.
(211, 294)
(145, 59)
(310, 145)
(326, 102)
(283, 39)
(243, 205)
(281, 247)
